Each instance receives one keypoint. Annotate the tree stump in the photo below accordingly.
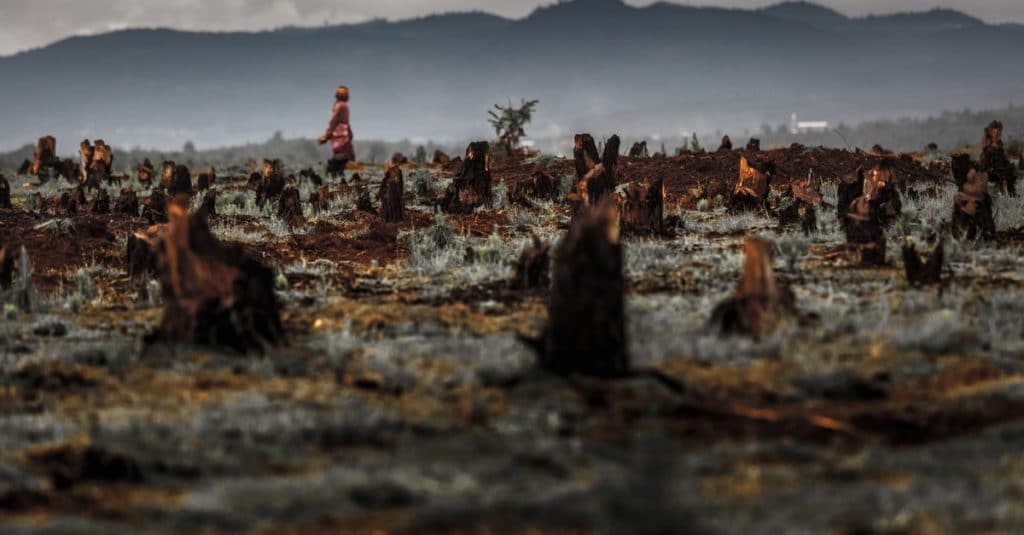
(441, 158)
(540, 186)
(586, 329)
(881, 193)
(289, 208)
(320, 200)
(399, 159)
(214, 294)
(100, 167)
(167, 173)
(960, 166)
(920, 272)
(312, 176)
(865, 232)
(392, 206)
(752, 188)
(532, 271)
(209, 204)
(595, 175)
(644, 208)
(45, 158)
(206, 178)
(5, 192)
(271, 183)
(336, 168)
(472, 187)
(181, 183)
(760, 303)
(155, 209)
(127, 203)
(638, 150)
(139, 255)
(6, 267)
(972, 208)
(726, 144)
(363, 201)
(851, 187)
(754, 145)
(100, 203)
(145, 171)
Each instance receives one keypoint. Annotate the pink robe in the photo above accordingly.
(339, 132)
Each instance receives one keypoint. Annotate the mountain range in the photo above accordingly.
(595, 65)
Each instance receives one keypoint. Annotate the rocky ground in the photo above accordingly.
(406, 401)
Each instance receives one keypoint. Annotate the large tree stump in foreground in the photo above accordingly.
(392, 206)
(214, 294)
(595, 175)
(920, 272)
(532, 271)
(760, 303)
(972, 208)
(472, 187)
(644, 208)
(752, 187)
(586, 329)
(5, 192)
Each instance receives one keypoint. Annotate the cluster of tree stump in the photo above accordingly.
(595, 173)
(472, 187)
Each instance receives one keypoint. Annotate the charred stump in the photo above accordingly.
(209, 204)
(100, 203)
(595, 175)
(270, 188)
(181, 183)
(880, 191)
(145, 171)
(6, 267)
(865, 232)
(726, 144)
(214, 294)
(851, 187)
(127, 203)
(392, 206)
(167, 173)
(760, 303)
(752, 188)
(638, 150)
(586, 329)
(441, 158)
(754, 145)
(363, 201)
(399, 159)
(919, 271)
(205, 179)
(139, 255)
(532, 270)
(539, 186)
(472, 187)
(336, 168)
(644, 208)
(312, 176)
(320, 200)
(45, 158)
(973, 216)
(100, 168)
(5, 192)
(289, 208)
(155, 209)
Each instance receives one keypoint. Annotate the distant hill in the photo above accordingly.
(595, 65)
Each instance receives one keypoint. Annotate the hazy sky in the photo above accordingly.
(31, 23)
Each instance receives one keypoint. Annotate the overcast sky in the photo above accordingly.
(32, 23)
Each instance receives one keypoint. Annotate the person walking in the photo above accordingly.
(339, 133)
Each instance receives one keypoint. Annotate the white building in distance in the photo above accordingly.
(797, 126)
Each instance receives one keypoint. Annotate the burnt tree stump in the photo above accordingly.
(752, 187)
(851, 187)
(181, 183)
(271, 183)
(392, 206)
(586, 329)
(214, 294)
(399, 159)
(920, 272)
(532, 271)
(754, 145)
(760, 303)
(100, 203)
(5, 192)
(972, 208)
(320, 200)
(155, 209)
(726, 144)
(595, 175)
(472, 187)
(440, 158)
(44, 158)
(638, 150)
(994, 160)
(363, 201)
(865, 232)
(644, 208)
(289, 208)
(145, 171)
(881, 192)
(6, 267)
(539, 186)
(206, 178)
(209, 204)
(127, 203)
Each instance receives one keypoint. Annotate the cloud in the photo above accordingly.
(26, 24)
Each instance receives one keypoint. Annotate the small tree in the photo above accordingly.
(508, 123)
